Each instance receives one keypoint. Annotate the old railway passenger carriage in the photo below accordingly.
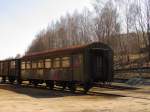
(67, 67)
(10, 69)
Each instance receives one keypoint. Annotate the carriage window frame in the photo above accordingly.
(49, 63)
(40, 64)
(12, 64)
(23, 63)
(28, 65)
(57, 62)
(34, 65)
(64, 60)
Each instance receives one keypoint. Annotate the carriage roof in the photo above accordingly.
(68, 50)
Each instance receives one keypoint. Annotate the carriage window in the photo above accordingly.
(23, 65)
(40, 64)
(34, 65)
(28, 65)
(12, 64)
(66, 62)
(56, 63)
(48, 63)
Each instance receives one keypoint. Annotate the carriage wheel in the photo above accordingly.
(64, 85)
(72, 87)
(50, 84)
(87, 86)
(30, 82)
(11, 79)
(35, 83)
(19, 81)
(3, 79)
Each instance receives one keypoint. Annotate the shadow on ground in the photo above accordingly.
(41, 92)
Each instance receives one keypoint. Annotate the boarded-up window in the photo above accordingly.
(66, 62)
(28, 65)
(48, 63)
(12, 64)
(34, 65)
(23, 65)
(40, 64)
(77, 60)
(56, 63)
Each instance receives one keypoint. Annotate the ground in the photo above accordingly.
(28, 99)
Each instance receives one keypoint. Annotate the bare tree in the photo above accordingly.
(127, 31)
(107, 24)
(147, 4)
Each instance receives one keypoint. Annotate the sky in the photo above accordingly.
(21, 20)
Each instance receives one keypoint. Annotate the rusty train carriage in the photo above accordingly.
(10, 69)
(68, 67)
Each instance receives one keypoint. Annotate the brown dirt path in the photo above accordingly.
(25, 99)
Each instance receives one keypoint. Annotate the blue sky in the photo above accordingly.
(21, 20)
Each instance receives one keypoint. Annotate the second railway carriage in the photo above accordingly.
(9, 69)
(79, 65)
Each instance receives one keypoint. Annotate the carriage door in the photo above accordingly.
(97, 64)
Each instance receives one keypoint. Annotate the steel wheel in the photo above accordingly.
(87, 86)
(50, 84)
(72, 87)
